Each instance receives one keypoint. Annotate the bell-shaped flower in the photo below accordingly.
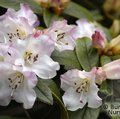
(80, 88)
(16, 84)
(35, 56)
(60, 32)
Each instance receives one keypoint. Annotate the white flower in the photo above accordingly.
(35, 56)
(18, 85)
(80, 88)
(17, 25)
(60, 33)
(85, 29)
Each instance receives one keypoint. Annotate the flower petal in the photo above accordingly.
(5, 91)
(94, 101)
(73, 100)
(25, 93)
(46, 67)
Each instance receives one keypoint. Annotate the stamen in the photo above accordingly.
(82, 85)
(30, 57)
(16, 80)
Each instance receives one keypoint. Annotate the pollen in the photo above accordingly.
(30, 57)
(18, 33)
(82, 85)
(15, 80)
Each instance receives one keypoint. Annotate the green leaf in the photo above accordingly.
(56, 94)
(104, 60)
(87, 56)
(15, 4)
(43, 92)
(52, 86)
(49, 17)
(96, 15)
(105, 88)
(85, 113)
(115, 57)
(67, 58)
(77, 11)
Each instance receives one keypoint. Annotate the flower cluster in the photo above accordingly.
(25, 54)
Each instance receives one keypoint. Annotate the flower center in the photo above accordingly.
(18, 33)
(30, 57)
(60, 38)
(82, 85)
(16, 80)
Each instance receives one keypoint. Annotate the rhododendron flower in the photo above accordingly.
(35, 56)
(17, 25)
(60, 33)
(16, 84)
(80, 88)
(85, 29)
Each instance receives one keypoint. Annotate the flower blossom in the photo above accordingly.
(60, 33)
(17, 25)
(35, 56)
(16, 84)
(80, 88)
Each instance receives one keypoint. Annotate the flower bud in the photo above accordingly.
(112, 8)
(98, 40)
(115, 28)
(114, 46)
(57, 5)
